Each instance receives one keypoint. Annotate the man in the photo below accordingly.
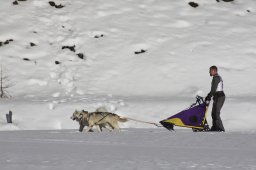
(218, 99)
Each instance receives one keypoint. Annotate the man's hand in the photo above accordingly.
(207, 98)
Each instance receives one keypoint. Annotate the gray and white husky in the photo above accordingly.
(99, 119)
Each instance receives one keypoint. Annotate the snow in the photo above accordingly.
(130, 149)
(145, 60)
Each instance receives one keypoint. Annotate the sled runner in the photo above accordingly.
(194, 117)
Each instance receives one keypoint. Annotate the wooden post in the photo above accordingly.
(9, 117)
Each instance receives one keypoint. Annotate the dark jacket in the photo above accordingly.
(216, 88)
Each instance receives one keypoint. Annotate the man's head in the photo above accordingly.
(213, 70)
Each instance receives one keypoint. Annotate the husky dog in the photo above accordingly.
(99, 119)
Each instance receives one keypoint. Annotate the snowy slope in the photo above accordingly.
(180, 43)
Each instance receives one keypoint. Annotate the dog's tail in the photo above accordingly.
(122, 119)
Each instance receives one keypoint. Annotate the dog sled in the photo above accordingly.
(194, 117)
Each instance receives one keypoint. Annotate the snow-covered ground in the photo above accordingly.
(175, 44)
(143, 59)
(148, 149)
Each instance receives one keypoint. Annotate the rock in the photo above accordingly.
(26, 59)
(98, 36)
(80, 55)
(193, 4)
(57, 62)
(15, 3)
(139, 52)
(32, 44)
(71, 48)
(5, 42)
(59, 6)
(54, 5)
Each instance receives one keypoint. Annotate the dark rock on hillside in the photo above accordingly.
(71, 48)
(193, 4)
(57, 62)
(98, 36)
(32, 44)
(225, 0)
(26, 59)
(52, 3)
(139, 52)
(59, 6)
(80, 55)
(5, 42)
(15, 3)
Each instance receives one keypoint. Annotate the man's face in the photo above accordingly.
(212, 72)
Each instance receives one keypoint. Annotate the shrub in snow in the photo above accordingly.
(4, 84)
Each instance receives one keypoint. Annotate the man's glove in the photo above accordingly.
(207, 98)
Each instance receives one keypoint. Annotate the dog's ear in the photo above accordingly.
(84, 111)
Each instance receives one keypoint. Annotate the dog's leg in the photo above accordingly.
(109, 127)
(81, 128)
(89, 129)
(116, 126)
(98, 128)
